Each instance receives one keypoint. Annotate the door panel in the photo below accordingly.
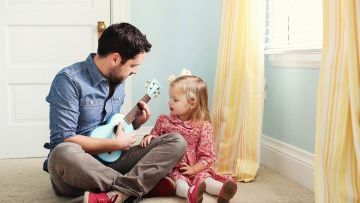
(37, 39)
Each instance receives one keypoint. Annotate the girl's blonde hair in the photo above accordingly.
(195, 91)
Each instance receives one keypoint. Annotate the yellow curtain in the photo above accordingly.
(239, 89)
(337, 153)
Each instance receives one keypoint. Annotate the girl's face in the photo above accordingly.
(178, 105)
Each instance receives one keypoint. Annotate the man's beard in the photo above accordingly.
(116, 80)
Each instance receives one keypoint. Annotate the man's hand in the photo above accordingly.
(123, 140)
(143, 117)
(186, 169)
(146, 140)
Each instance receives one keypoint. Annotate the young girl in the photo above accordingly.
(189, 116)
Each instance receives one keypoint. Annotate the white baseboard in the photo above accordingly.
(290, 161)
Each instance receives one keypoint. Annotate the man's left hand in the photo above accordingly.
(144, 116)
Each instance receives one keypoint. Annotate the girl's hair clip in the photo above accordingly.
(182, 73)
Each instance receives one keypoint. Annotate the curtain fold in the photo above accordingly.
(238, 101)
(337, 153)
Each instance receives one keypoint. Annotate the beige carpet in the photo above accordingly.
(22, 180)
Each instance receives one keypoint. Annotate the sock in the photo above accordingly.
(213, 186)
(182, 188)
(122, 196)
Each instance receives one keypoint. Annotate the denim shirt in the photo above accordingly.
(79, 101)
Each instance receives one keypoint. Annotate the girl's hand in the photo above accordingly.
(146, 140)
(186, 169)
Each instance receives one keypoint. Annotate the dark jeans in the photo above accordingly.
(136, 172)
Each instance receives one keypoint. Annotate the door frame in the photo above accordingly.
(120, 12)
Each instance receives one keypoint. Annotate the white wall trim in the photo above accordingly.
(296, 59)
(121, 12)
(290, 161)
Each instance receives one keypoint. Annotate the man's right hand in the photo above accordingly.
(122, 139)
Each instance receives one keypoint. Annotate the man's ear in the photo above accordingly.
(115, 59)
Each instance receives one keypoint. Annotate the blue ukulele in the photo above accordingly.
(108, 130)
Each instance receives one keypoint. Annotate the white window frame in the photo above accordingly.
(310, 58)
(292, 57)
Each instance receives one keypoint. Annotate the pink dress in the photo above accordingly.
(201, 146)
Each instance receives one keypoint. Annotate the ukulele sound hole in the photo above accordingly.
(109, 152)
(115, 128)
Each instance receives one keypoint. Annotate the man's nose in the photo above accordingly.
(135, 70)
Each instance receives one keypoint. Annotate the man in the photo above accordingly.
(84, 96)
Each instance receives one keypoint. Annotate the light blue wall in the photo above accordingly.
(184, 34)
(290, 105)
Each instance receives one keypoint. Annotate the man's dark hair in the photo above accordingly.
(124, 39)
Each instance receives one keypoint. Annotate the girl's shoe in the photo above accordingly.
(228, 190)
(195, 193)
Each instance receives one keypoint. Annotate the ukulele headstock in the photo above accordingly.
(153, 88)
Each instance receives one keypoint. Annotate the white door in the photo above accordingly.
(37, 39)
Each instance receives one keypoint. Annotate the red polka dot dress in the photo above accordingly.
(201, 146)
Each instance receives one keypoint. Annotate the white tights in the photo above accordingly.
(213, 187)
(182, 188)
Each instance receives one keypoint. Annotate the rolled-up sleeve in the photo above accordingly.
(64, 108)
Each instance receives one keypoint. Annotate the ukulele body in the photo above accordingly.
(107, 131)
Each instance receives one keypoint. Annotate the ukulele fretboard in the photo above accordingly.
(129, 118)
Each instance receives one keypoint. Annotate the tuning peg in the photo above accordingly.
(148, 82)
